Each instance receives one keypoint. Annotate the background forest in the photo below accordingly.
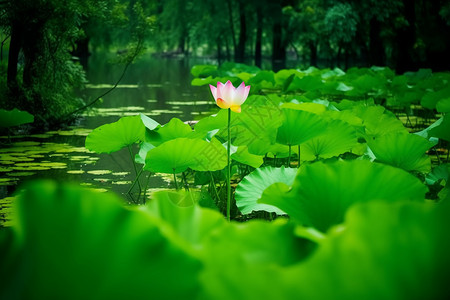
(45, 44)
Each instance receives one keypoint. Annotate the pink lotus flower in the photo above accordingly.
(227, 96)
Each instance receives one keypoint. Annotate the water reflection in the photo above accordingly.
(159, 88)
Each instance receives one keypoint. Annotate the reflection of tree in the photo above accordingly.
(42, 74)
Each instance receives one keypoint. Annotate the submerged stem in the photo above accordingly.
(229, 168)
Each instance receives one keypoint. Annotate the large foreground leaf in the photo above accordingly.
(78, 244)
(322, 192)
(250, 189)
(386, 251)
(115, 136)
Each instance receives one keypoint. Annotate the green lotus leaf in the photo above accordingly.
(431, 99)
(378, 121)
(254, 251)
(172, 130)
(14, 117)
(322, 192)
(204, 71)
(217, 121)
(339, 138)
(255, 127)
(143, 150)
(85, 230)
(443, 130)
(250, 189)
(405, 151)
(149, 123)
(306, 83)
(386, 251)
(115, 136)
(177, 155)
(244, 157)
(306, 106)
(299, 126)
(443, 105)
(438, 174)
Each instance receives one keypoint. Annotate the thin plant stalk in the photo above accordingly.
(298, 156)
(175, 179)
(135, 181)
(214, 187)
(229, 168)
(146, 186)
(289, 157)
(186, 185)
(134, 166)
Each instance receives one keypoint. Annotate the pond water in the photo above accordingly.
(157, 87)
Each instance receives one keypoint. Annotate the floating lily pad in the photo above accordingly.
(123, 182)
(120, 173)
(8, 181)
(21, 174)
(75, 172)
(14, 117)
(99, 172)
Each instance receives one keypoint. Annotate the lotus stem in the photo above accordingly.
(134, 166)
(146, 186)
(298, 156)
(229, 168)
(175, 179)
(214, 187)
(186, 186)
(289, 157)
(135, 181)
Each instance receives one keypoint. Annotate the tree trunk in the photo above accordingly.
(219, 51)
(258, 42)
(313, 53)
(13, 56)
(376, 49)
(239, 53)
(230, 17)
(406, 38)
(278, 47)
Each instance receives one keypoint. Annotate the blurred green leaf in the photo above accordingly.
(79, 244)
